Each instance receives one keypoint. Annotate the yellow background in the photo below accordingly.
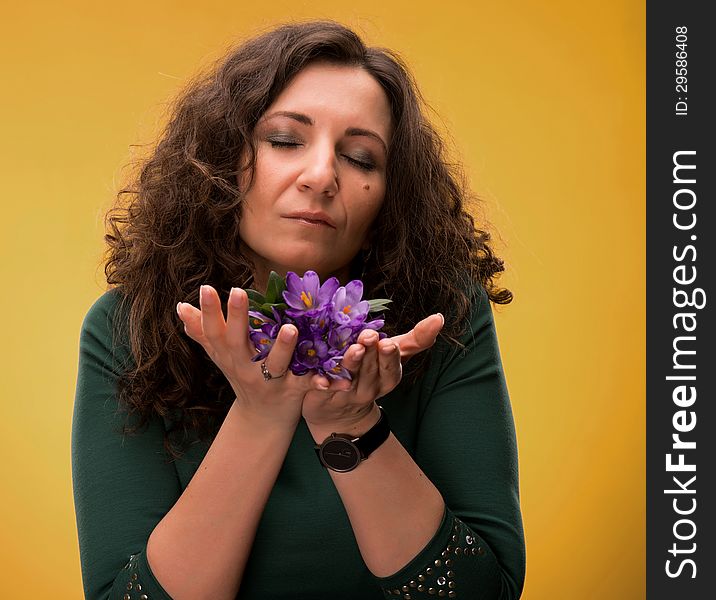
(545, 102)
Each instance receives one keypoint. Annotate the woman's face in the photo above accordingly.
(321, 155)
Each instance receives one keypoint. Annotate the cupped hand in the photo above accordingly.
(376, 368)
(348, 404)
(275, 402)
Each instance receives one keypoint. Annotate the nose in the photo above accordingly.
(319, 173)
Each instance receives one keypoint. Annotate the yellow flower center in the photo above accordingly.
(336, 369)
(311, 352)
(346, 309)
(264, 341)
(307, 299)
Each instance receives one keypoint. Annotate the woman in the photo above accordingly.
(301, 151)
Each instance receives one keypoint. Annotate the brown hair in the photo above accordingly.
(180, 227)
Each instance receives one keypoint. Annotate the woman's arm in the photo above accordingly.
(393, 507)
(128, 501)
(472, 544)
(122, 485)
(200, 548)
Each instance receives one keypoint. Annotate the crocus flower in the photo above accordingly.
(312, 353)
(341, 337)
(306, 296)
(328, 317)
(348, 308)
(264, 339)
(333, 369)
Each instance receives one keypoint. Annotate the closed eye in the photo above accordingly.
(360, 164)
(279, 144)
(357, 163)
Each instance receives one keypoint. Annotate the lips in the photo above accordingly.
(317, 218)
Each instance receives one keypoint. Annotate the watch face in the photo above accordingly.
(340, 454)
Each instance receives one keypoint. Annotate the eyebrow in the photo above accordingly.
(306, 120)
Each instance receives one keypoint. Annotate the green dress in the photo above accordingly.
(456, 422)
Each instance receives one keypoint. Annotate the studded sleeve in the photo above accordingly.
(122, 485)
(467, 446)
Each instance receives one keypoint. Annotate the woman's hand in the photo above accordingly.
(419, 338)
(346, 406)
(376, 368)
(274, 402)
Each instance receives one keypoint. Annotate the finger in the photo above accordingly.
(279, 357)
(421, 337)
(191, 317)
(369, 339)
(351, 361)
(320, 382)
(390, 368)
(368, 380)
(212, 318)
(237, 321)
(426, 331)
(353, 358)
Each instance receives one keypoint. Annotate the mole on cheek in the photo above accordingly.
(366, 187)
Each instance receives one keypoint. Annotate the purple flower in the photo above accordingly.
(341, 337)
(328, 317)
(264, 339)
(321, 322)
(311, 353)
(375, 324)
(348, 309)
(335, 370)
(306, 296)
(264, 331)
(256, 318)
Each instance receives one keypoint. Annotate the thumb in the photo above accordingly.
(421, 337)
(426, 331)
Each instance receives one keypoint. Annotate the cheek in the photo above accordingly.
(366, 212)
(251, 215)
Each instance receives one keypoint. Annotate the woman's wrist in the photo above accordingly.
(354, 428)
(262, 421)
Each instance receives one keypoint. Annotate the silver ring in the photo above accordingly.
(267, 375)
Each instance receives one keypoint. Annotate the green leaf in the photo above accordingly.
(274, 289)
(255, 296)
(378, 304)
(266, 310)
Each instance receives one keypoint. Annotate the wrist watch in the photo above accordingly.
(342, 452)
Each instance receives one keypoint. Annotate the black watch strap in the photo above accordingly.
(365, 444)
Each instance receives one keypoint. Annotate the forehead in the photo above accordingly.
(349, 96)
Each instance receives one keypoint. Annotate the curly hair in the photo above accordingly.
(175, 224)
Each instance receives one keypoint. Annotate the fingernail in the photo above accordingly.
(322, 387)
(234, 297)
(289, 333)
(203, 295)
(179, 308)
(371, 337)
(387, 349)
(442, 317)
